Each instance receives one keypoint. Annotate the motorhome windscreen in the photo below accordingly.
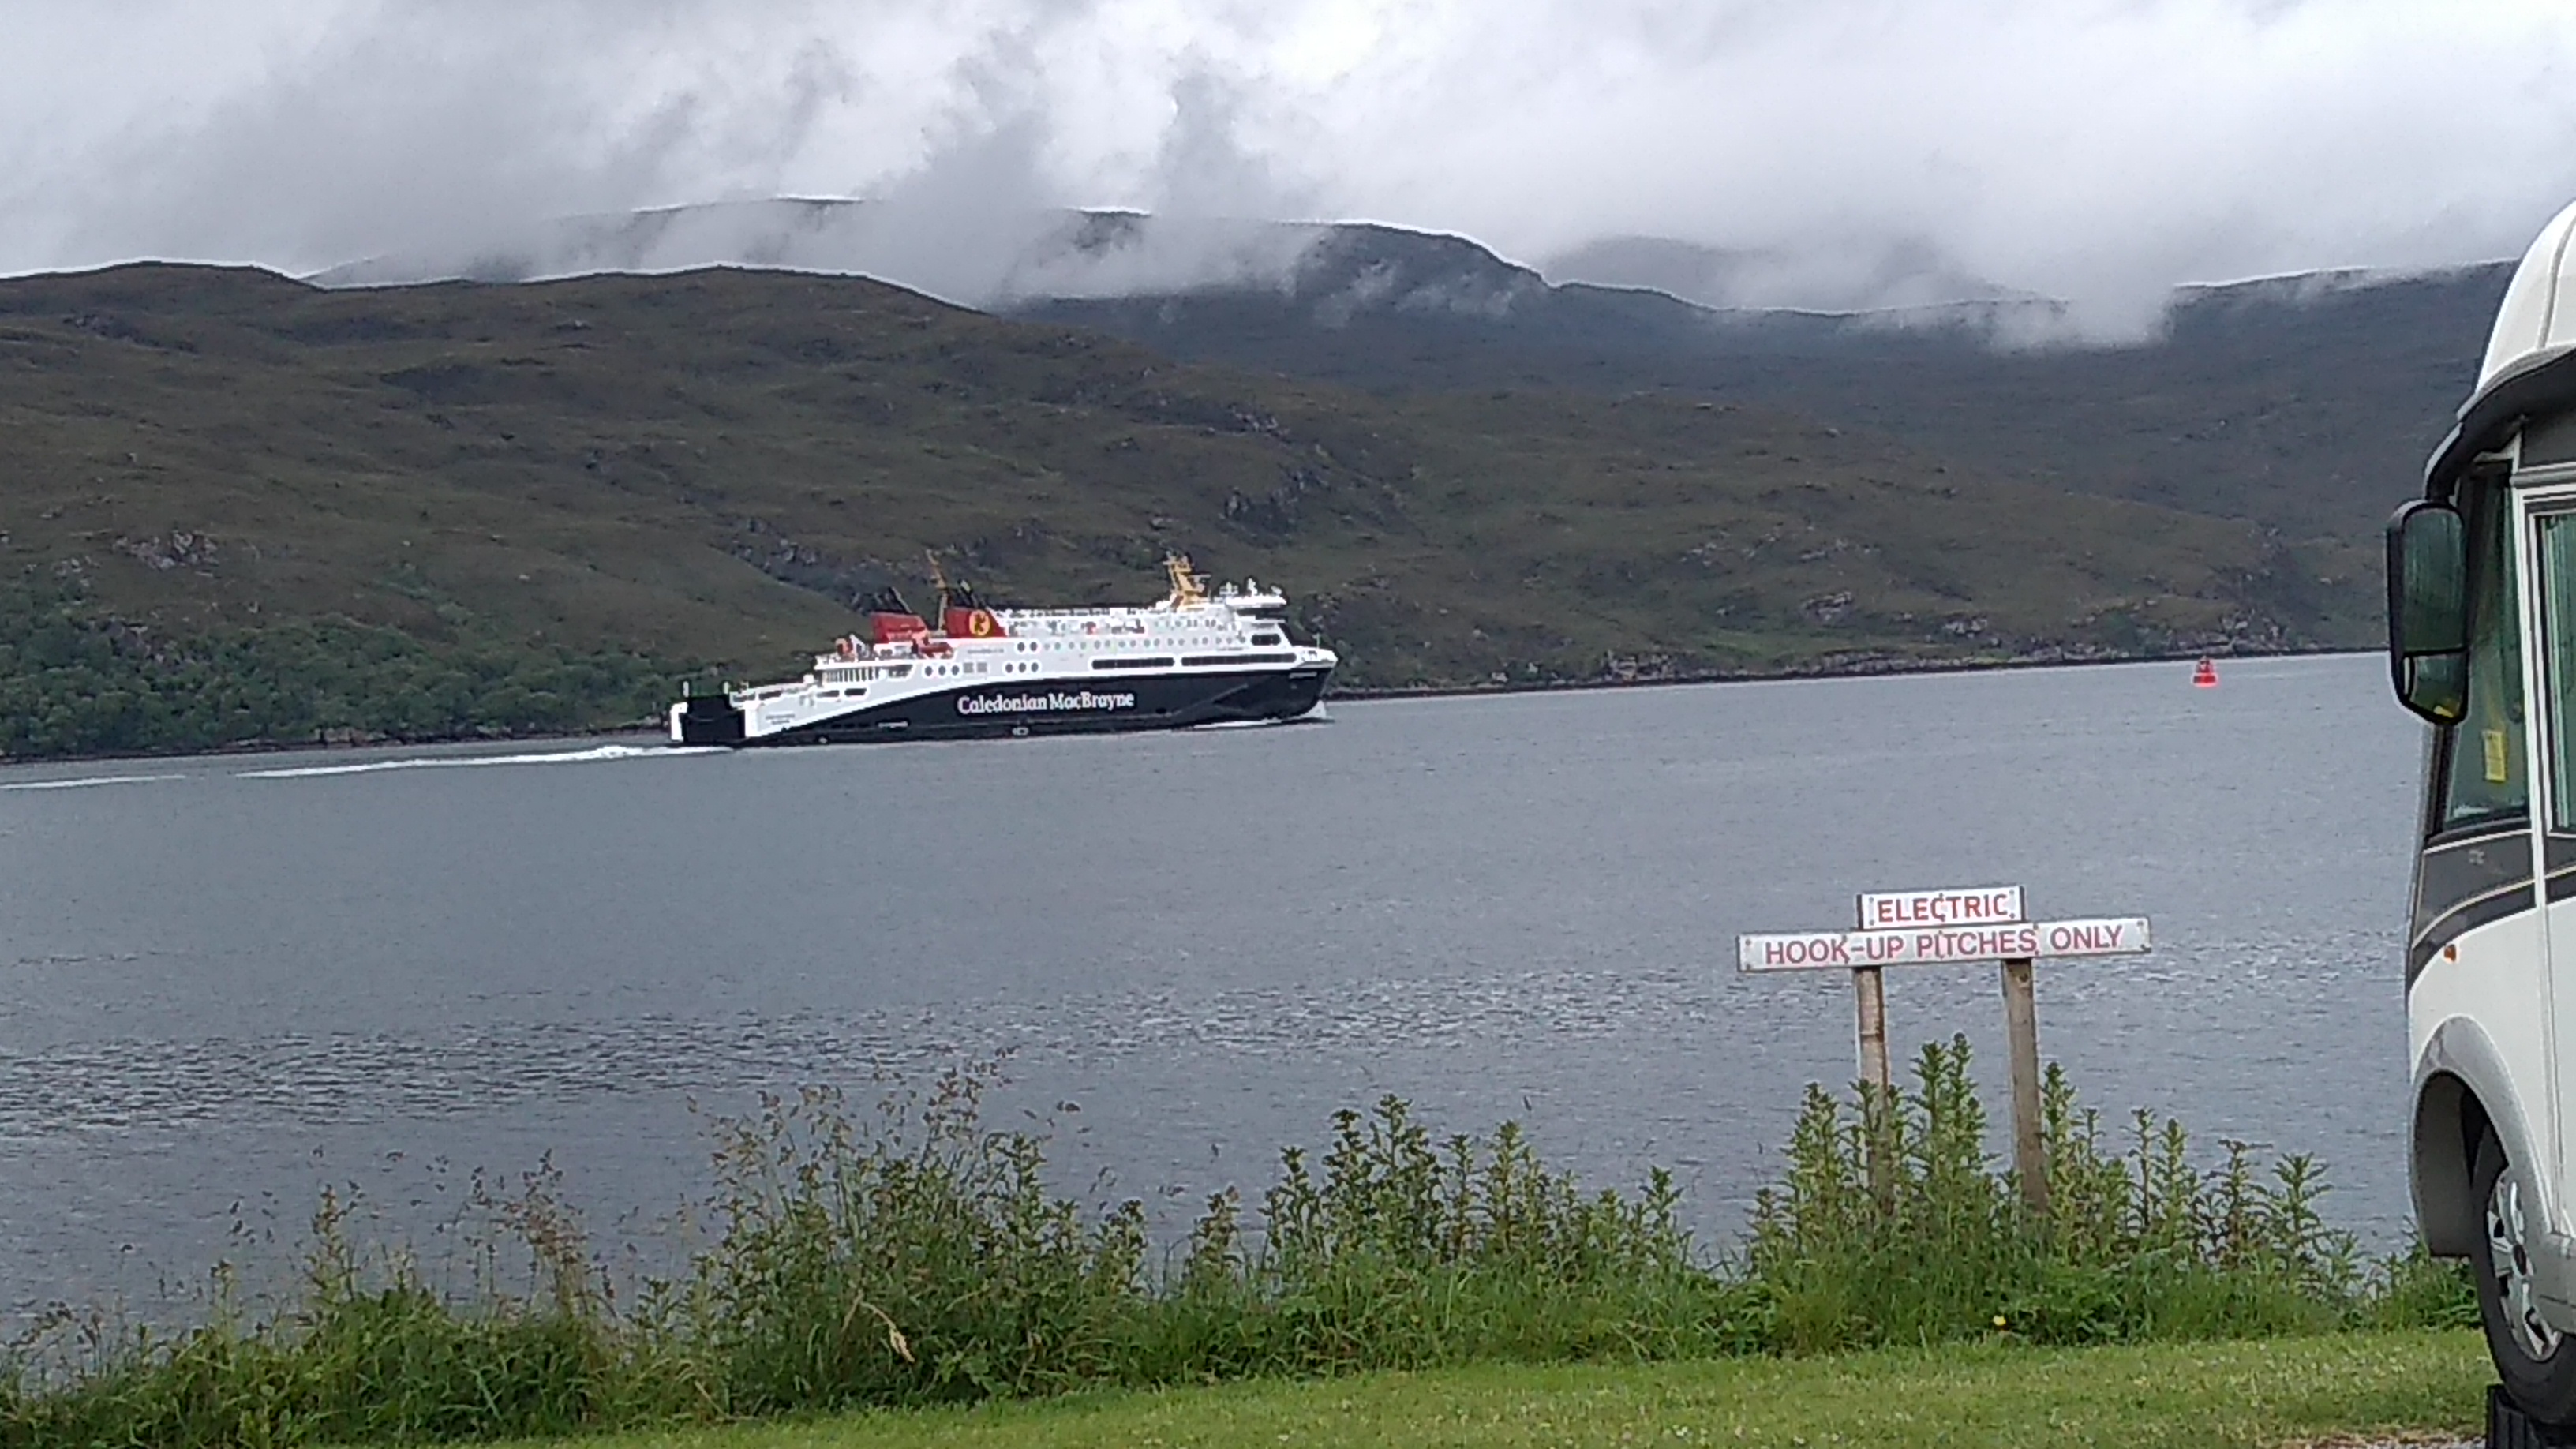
(2484, 778)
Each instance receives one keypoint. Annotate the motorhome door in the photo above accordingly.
(2547, 510)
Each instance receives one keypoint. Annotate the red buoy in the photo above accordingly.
(2204, 675)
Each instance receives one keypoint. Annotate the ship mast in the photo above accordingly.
(1187, 586)
(938, 578)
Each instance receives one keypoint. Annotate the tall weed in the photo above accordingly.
(2140, 1242)
(906, 1254)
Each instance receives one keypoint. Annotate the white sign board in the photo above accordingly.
(1973, 906)
(1938, 945)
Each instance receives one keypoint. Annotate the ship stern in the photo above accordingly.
(706, 719)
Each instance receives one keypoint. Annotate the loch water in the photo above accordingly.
(231, 981)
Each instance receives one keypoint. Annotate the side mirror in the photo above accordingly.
(2428, 611)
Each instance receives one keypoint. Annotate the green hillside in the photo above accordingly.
(520, 507)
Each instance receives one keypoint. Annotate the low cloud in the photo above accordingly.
(2099, 151)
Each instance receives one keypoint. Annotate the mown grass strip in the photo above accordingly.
(2338, 1387)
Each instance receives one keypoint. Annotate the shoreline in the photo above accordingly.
(1873, 669)
(643, 730)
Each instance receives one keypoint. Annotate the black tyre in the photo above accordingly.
(2536, 1362)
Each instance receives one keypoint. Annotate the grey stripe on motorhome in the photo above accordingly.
(2467, 882)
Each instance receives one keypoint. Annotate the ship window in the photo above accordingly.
(1265, 639)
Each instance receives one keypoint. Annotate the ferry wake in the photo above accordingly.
(1191, 658)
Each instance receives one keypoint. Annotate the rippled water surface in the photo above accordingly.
(231, 981)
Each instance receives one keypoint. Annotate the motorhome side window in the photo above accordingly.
(2483, 773)
(2555, 581)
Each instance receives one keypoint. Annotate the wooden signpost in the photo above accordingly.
(1951, 927)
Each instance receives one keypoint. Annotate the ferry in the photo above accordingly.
(1191, 658)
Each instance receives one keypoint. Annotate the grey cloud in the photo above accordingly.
(2099, 151)
(1203, 167)
(1846, 276)
(979, 257)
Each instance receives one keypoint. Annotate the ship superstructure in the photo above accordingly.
(1194, 657)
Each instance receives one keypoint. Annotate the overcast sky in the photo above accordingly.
(2099, 150)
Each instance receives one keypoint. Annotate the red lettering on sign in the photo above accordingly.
(1806, 951)
(1947, 944)
(1941, 908)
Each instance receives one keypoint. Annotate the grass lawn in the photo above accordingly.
(2349, 1388)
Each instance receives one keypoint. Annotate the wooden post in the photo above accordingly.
(1878, 1101)
(2021, 1034)
(1872, 991)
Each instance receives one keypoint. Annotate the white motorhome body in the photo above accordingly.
(2482, 618)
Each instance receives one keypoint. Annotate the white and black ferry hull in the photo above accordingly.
(1161, 700)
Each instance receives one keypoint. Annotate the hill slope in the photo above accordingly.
(634, 476)
(2305, 404)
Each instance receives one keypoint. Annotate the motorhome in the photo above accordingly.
(2482, 645)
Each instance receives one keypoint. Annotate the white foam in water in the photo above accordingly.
(556, 757)
(90, 780)
(1317, 715)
